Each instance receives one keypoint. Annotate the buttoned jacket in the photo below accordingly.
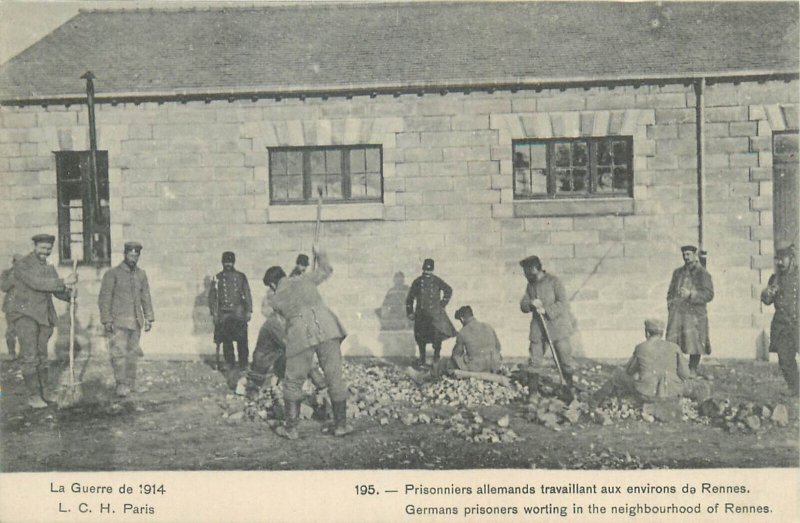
(124, 298)
(477, 348)
(34, 284)
(549, 289)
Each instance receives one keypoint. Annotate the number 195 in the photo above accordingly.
(365, 490)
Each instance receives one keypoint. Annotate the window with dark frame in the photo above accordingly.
(84, 224)
(573, 168)
(349, 173)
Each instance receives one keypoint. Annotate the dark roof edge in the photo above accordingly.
(418, 88)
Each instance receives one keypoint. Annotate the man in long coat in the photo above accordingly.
(31, 310)
(125, 309)
(311, 328)
(430, 294)
(546, 297)
(231, 306)
(690, 290)
(783, 291)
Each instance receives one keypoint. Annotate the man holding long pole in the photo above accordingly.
(551, 322)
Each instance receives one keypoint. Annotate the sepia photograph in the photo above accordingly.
(373, 236)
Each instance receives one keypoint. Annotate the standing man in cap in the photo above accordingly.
(311, 328)
(33, 315)
(7, 286)
(300, 265)
(431, 324)
(231, 307)
(783, 291)
(125, 309)
(546, 297)
(689, 291)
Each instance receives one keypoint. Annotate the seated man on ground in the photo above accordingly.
(656, 370)
(477, 348)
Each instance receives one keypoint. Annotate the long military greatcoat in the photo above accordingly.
(431, 295)
(549, 289)
(687, 324)
(231, 304)
(35, 283)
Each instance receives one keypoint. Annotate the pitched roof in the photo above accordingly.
(324, 47)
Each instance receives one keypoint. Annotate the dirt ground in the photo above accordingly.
(181, 421)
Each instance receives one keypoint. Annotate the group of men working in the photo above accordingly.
(299, 325)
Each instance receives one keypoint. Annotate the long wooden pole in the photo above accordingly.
(700, 110)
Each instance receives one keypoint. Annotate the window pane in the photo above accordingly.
(280, 187)
(563, 180)
(294, 161)
(562, 155)
(603, 153)
(620, 152)
(357, 161)
(278, 162)
(374, 185)
(69, 191)
(333, 161)
(317, 162)
(530, 176)
(622, 179)
(373, 160)
(294, 187)
(580, 155)
(358, 186)
(579, 180)
(605, 180)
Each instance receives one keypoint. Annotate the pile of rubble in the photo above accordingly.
(741, 416)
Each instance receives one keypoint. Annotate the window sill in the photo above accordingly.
(574, 207)
(331, 212)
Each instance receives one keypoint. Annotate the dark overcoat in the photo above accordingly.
(427, 298)
(687, 324)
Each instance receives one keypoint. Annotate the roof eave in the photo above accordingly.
(397, 89)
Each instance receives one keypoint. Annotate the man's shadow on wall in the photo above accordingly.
(396, 334)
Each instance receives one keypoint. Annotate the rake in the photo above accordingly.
(70, 392)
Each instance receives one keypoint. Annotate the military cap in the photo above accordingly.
(133, 246)
(531, 261)
(785, 251)
(690, 248)
(464, 312)
(301, 260)
(44, 238)
(273, 275)
(427, 265)
(228, 257)
(653, 325)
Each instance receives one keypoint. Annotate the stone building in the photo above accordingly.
(598, 136)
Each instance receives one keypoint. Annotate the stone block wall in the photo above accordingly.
(191, 180)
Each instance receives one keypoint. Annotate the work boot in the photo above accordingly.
(289, 428)
(341, 427)
(48, 394)
(421, 359)
(533, 386)
(131, 365)
(35, 400)
(122, 390)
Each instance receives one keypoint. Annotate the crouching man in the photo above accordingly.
(476, 353)
(657, 369)
(477, 348)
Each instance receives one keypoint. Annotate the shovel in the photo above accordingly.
(70, 393)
